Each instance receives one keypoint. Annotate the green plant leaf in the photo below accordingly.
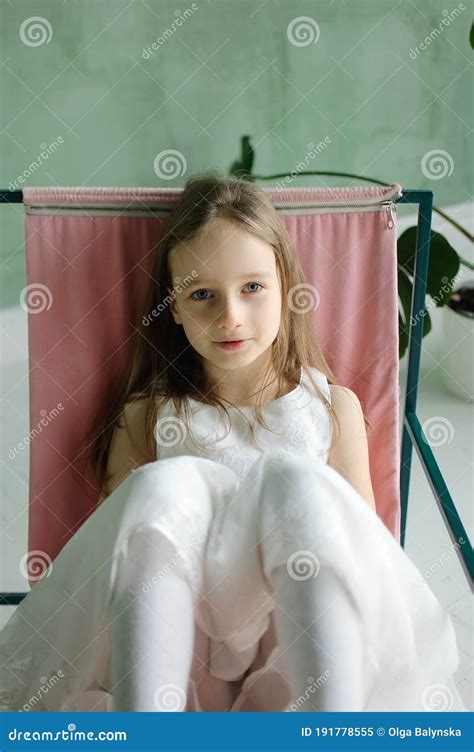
(405, 291)
(402, 337)
(406, 247)
(442, 267)
(242, 167)
(471, 36)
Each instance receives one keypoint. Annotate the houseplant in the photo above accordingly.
(444, 261)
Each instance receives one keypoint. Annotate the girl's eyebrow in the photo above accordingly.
(199, 281)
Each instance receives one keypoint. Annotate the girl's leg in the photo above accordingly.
(157, 579)
(152, 628)
(320, 622)
(315, 621)
(359, 629)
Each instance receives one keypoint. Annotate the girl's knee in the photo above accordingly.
(171, 494)
(294, 499)
(178, 485)
(290, 476)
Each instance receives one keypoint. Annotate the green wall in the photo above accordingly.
(104, 108)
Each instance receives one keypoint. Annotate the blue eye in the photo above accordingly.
(194, 293)
(203, 290)
(255, 283)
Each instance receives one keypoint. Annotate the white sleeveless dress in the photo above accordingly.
(300, 425)
(54, 650)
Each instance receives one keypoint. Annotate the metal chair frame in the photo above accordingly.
(413, 435)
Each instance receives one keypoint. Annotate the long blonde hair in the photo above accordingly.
(162, 365)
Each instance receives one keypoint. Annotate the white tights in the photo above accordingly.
(151, 630)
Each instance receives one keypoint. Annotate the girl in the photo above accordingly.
(235, 560)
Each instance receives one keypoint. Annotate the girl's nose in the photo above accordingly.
(229, 317)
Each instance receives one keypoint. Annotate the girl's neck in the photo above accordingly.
(270, 393)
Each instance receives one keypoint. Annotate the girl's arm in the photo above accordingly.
(350, 456)
(127, 449)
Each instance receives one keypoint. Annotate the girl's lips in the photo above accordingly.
(236, 345)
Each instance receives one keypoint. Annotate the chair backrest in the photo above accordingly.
(88, 251)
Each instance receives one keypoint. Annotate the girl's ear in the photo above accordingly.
(174, 312)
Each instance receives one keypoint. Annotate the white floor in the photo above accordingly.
(427, 541)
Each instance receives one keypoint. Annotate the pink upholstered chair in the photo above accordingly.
(88, 251)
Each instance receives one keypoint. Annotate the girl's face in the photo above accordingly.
(228, 290)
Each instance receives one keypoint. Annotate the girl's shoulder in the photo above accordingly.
(341, 397)
(345, 404)
(343, 400)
